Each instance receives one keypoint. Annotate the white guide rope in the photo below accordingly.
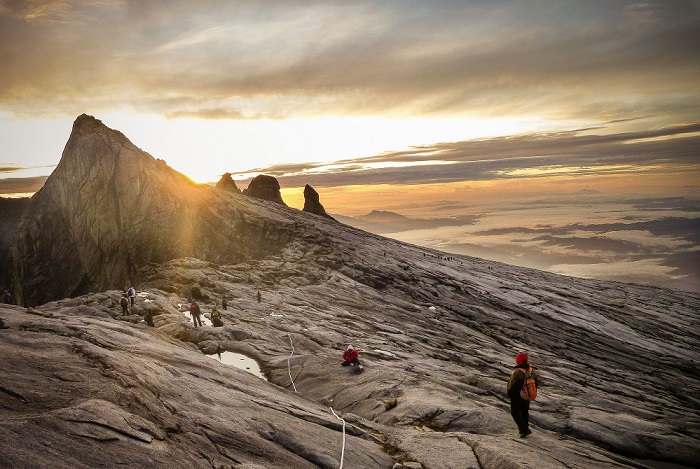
(289, 366)
(342, 452)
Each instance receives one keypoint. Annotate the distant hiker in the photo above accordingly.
(196, 314)
(124, 302)
(259, 297)
(216, 318)
(190, 299)
(219, 349)
(224, 303)
(350, 357)
(132, 294)
(523, 376)
(148, 317)
(7, 298)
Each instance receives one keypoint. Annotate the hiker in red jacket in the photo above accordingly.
(350, 357)
(520, 407)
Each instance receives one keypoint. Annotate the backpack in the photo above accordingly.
(529, 390)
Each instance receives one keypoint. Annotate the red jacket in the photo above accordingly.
(350, 355)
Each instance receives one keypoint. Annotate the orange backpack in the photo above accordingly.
(529, 390)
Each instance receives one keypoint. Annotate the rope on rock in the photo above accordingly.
(342, 452)
(289, 365)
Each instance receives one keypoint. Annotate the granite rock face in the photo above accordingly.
(11, 212)
(265, 187)
(312, 202)
(110, 208)
(226, 183)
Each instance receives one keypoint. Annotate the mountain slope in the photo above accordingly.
(437, 336)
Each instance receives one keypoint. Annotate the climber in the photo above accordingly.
(216, 318)
(350, 357)
(132, 295)
(124, 302)
(196, 314)
(259, 297)
(224, 303)
(519, 407)
(148, 318)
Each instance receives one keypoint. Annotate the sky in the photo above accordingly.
(566, 132)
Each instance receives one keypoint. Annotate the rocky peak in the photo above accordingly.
(312, 202)
(266, 188)
(226, 183)
(109, 209)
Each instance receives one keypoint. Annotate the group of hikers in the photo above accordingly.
(521, 388)
(127, 299)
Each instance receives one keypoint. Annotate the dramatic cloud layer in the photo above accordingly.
(576, 154)
(239, 59)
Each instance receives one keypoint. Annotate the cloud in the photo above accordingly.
(572, 153)
(21, 185)
(606, 60)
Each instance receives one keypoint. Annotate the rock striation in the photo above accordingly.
(83, 386)
(265, 187)
(226, 183)
(312, 203)
(11, 213)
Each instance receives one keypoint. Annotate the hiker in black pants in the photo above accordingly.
(519, 407)
(196, 314)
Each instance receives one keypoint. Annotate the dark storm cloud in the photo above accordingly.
(243, 59)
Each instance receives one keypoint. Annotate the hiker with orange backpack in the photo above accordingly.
(522, 388)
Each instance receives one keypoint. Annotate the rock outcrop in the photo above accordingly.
(11, 212)
(110, 208)
(312, 203)
(226, 183)
(265, 187)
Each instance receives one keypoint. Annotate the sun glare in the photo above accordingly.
(205, 149)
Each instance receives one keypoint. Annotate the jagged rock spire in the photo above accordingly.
(312, 203)
(226, 183)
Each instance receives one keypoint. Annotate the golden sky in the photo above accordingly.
(237, 86)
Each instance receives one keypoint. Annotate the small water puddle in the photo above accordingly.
(240, 361)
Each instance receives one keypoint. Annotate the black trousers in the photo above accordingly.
(354, 362)
(520, 410)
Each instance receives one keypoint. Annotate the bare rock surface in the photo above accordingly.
(266, 188)
(83, 386)
(227, 183)
(312, 202)
(11, 212)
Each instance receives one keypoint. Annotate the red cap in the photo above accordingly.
(521, 358)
